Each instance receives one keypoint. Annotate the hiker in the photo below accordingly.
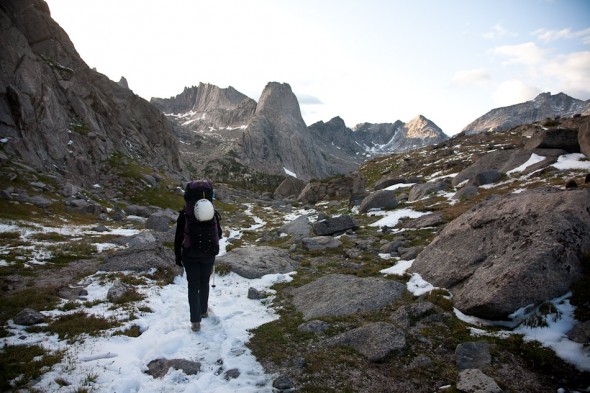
(196, 243)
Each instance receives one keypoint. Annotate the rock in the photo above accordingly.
(255, 262)
(159, 368)
(40, 201)
(485, 177)
(375, 341)
(420, 361)
(69, 190)
(510, 251)
(117, 291)
(254, 294)
(466, 192)
(140, 211)
(382, 199)
(475, 381)
(158, 222)
(283, 382)
(141, 258)
(28, 317)
(320, 243)
(502, 161)
(409, 253)
(150, 180)
(231, 374)
(348, 186)
(388, 181)
(335, 225)
(420, 191)
(339, 294)
(584, 135)
(290, 187)
(473, 355)
(580, 333)
(391, 247)
(298, 228)
(141, 239)
(559, 138)
(315, 326)
(427, 220)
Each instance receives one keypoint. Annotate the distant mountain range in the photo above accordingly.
(63, 119)
(271, 136)
(542, 107)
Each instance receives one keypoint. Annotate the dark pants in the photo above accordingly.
(198, 271)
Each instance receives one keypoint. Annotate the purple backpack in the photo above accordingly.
(201, 238)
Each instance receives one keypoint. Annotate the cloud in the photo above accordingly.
(478, 77)
(514, 91)
(554, 35)
(572, 71)
(306, 99)
(528, 53)
(498, 31)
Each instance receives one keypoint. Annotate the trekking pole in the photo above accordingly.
(213, 277)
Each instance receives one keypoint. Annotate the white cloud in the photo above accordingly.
(478, 77)
(572, 71)
(528, 53)
(514, 91)
(498, 31)
(554, 35)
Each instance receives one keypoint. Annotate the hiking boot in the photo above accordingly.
(196, 326)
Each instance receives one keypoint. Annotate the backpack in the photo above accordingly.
(200, 237)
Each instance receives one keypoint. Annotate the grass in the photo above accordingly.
(39, 299)
(23, 364)
(71, 326)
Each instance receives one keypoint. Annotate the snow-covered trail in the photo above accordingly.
(117, 363)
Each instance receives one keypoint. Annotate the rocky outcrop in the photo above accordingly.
(63, 118)
(511, 251)
(255, 262)
(543, 106)
(349, 186)
(339, 295)
(277, 139)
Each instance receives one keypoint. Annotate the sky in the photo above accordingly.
(374, 61)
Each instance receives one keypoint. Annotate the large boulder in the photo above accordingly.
(141, 258)
(290, 187)
(511, 251)
(559, 138)
(298, 228)
(420, 191)
(375, 341)
(382, 199)
(340, 294)
(255, 262)
(334, 225)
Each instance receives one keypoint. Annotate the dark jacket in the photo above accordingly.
(179, 250)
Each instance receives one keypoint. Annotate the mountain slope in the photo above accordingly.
(543, 106)
(62, 118)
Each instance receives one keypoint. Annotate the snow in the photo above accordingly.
(391, 218)
(118, 363)
(531, 161)
(552, 336)
(290, 173)
(399, 185)
(572, 161)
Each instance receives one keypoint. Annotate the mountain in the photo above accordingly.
(542, 107)
(395, 137)
(278, 140)
(208, 107)
(62, 118)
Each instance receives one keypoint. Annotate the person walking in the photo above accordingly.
(196, 243)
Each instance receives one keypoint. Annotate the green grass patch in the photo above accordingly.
(36, 298)
(65, 253)
(22, 364)
(131, 331)
(70, 326)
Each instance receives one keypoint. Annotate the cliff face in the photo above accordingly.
(543, 106)
(61, 117)
(278, 139)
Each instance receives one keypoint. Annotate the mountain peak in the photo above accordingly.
(421, 127)
(278, 99)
